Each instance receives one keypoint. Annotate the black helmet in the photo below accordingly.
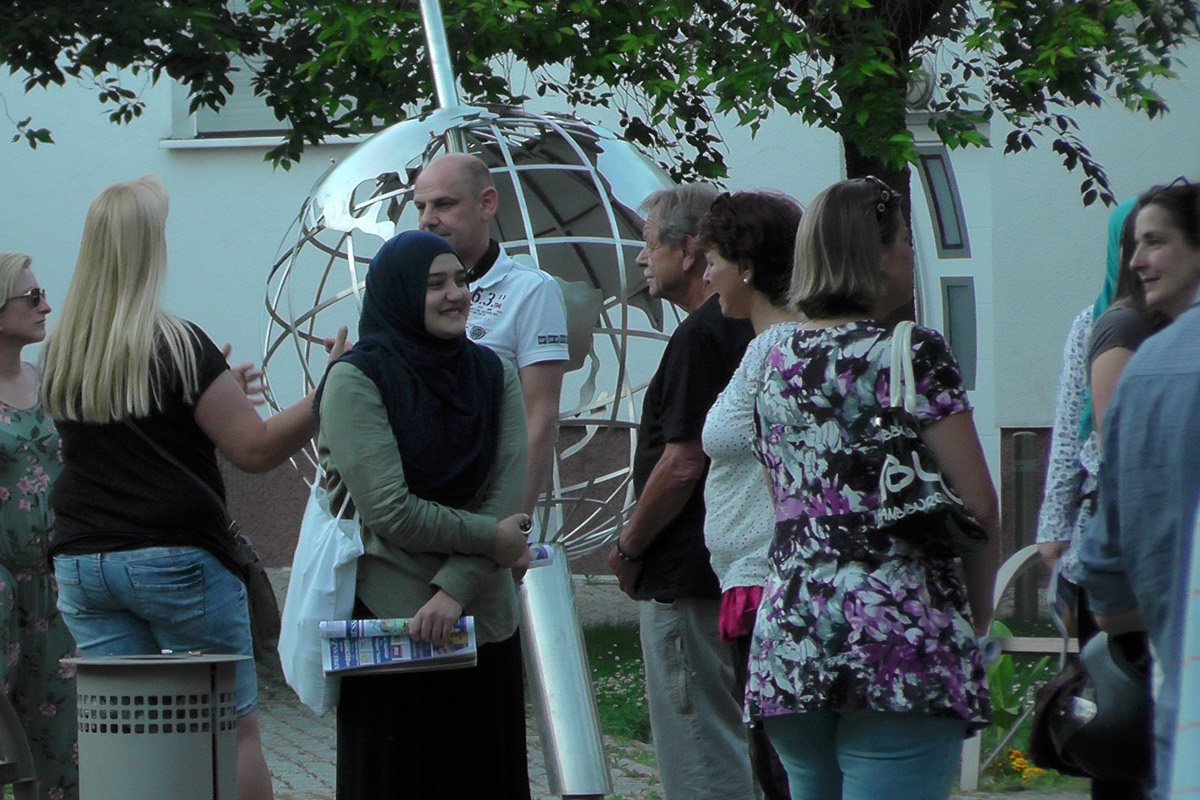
(1102, 727)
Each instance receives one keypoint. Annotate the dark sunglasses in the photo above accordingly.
(1183, 193)
(35, 296)
(1179, 183)
(887, 195)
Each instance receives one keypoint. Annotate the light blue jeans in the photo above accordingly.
(134, 602)
(867, 755)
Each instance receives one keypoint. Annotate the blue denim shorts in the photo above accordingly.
(134, 602)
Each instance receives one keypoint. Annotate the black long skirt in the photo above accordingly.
(451, 734)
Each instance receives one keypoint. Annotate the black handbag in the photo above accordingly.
(265, 619)
(916, 504)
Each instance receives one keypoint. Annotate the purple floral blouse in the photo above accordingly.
(850, 617)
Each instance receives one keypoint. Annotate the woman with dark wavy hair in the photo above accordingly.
(749, 238)
(1160, 283)
(1157, 286)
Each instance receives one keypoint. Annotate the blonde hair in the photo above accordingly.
(11, 267)
(114, 349)
(839, 249)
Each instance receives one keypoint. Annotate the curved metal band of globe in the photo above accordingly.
(575, 220)
(301, 330)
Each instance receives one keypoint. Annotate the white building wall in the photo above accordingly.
(1049, 251)
(229, 208)
(1038, 254)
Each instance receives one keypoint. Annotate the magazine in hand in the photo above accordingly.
(364, 646)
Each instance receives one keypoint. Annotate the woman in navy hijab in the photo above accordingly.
(426, 432)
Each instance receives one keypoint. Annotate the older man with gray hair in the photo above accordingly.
(660, 558)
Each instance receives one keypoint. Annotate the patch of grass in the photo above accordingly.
(615, 653)
(1036, 626)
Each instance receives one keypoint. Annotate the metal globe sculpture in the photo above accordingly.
(568, 198)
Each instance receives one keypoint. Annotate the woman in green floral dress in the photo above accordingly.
(33, 636)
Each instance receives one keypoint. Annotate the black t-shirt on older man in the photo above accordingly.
(116, 492)
(697, 364)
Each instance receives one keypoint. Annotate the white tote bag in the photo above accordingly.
(321, 588)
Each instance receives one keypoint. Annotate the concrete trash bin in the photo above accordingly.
(157, 726)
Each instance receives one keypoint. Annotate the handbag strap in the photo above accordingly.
(903, 388)
(170, 459)
(1061, 598)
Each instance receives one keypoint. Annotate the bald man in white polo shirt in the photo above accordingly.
(517, 311)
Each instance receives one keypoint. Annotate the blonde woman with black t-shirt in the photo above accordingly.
(141, 553)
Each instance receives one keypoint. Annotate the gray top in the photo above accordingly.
(1137, 552)
(412, 546)
(1119, 326)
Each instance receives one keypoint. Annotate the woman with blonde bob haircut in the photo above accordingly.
(864, 666)
(142, 400)
(839, 251)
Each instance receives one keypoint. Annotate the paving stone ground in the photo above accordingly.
(301, 752)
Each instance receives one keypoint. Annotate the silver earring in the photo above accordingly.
(746, 281)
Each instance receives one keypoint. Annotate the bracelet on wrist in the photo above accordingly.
(628, 559)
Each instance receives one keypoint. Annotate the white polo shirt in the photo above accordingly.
(517, 311)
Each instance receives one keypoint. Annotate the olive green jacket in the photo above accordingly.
(414, 547)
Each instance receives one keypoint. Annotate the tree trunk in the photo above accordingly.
(859, 166)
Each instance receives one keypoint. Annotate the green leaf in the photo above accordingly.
(835, 64)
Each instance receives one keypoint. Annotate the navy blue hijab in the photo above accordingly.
(442, 395)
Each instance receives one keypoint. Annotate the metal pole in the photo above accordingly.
(439, 64)
(556, 660)
(439, 53)
(560, 683)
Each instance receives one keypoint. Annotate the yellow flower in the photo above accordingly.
(1031, 772)
(1020, 764)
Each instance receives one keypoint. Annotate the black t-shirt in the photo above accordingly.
(117, 493)
(698, 362)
